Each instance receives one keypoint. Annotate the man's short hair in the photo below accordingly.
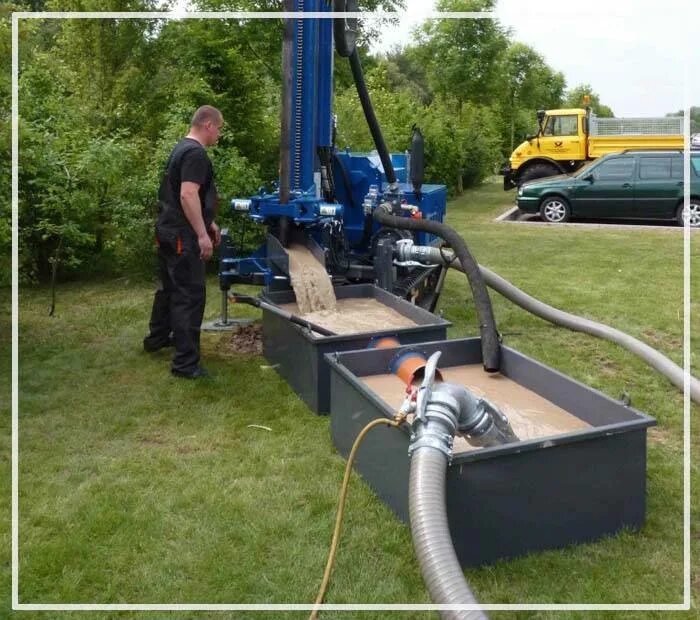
(206, 114)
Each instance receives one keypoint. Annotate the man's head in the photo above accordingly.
(206, 124)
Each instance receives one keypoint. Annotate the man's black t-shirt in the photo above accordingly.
(188, 162)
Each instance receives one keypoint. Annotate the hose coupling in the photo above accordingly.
(444, 409)
(436, 416)
(407, 250)
(485, 424)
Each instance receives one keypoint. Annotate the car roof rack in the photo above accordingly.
(654, 151)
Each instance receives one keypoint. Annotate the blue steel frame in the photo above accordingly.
(311, 126)
(311, 118)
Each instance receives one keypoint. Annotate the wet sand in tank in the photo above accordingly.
(355, 316)
(531, 416)
(311, 283)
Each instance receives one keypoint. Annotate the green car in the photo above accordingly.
(628, 185)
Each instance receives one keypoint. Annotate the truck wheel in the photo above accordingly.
(537, 171)
(555, 210)
(693, 214)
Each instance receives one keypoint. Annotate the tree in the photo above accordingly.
(529, 84)
(461, 56)
(574, 99)
(694, 118)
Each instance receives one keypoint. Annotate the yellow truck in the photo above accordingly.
(568, 138)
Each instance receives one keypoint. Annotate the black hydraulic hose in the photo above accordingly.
(372, 122)
(490, 340)
(280, 312)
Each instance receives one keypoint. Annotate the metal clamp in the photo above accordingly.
(426, 386)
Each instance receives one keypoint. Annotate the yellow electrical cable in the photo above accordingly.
(396, 422)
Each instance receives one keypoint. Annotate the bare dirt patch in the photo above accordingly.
(661, 340)
(153, 439)
(246, 340)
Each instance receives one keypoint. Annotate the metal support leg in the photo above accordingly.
(224, 307)
(223, 323)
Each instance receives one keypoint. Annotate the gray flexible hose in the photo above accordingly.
(656, 360)
(441, 571)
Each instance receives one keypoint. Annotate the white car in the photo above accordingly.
(695, 139)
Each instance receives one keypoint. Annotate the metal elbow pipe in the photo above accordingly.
(481, 421)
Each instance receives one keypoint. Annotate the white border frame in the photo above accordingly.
(16, 605)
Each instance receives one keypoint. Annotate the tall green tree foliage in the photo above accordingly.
(81, 143)
(101, 104)
(529, 84)
(694, 118)
(575, 99)
(5, 146)
(461, 149)
(461, 57)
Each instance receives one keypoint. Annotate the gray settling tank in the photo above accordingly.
(298, 354)
(577, 474)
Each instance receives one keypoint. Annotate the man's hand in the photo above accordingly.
(215, 234)
(205, 247)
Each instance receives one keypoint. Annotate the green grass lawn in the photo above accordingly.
(136, 487)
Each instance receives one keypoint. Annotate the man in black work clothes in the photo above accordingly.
(186, 235)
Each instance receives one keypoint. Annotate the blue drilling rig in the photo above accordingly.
(326, 196)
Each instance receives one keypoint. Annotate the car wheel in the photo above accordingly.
(538, 171)
(555, 210)
(693, 214)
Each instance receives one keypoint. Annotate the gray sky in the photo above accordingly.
(634, 53)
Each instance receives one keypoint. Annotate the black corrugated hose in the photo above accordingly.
(490, 339)
(372, 122)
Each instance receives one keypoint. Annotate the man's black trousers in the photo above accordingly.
(178, 306)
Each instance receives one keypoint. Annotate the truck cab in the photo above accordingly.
(563, 136)
(557, 147)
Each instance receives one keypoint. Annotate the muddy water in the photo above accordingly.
(311, 283)
(530, 415)
(355, 316)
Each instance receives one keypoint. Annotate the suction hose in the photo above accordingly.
(490, 340)
(430, 531)
(656, 360)
(441, 409)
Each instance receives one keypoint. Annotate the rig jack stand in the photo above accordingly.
(224, 323)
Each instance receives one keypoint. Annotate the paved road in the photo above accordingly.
(515, 216)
